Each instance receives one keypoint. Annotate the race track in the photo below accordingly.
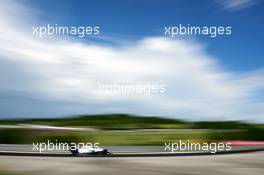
(235, 164)
(165, 154)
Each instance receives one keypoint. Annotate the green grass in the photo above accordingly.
(105, 121)
(218, 130)
(141, 138)
(107, 138)
(7, 173)
(128, 122)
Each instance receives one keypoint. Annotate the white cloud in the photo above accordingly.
(70, 71)
(233, 5)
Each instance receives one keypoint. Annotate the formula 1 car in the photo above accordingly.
(89, 150)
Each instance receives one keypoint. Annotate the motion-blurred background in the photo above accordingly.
(67, 88)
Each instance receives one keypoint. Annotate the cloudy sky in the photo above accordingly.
(206, 78)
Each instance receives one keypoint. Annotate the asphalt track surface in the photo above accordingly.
(129, 155)
(230, 164)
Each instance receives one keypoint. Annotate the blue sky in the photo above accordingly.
(135, 19)
(206, 78)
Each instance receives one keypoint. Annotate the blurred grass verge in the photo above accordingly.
(7, 173)
(127, 130)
